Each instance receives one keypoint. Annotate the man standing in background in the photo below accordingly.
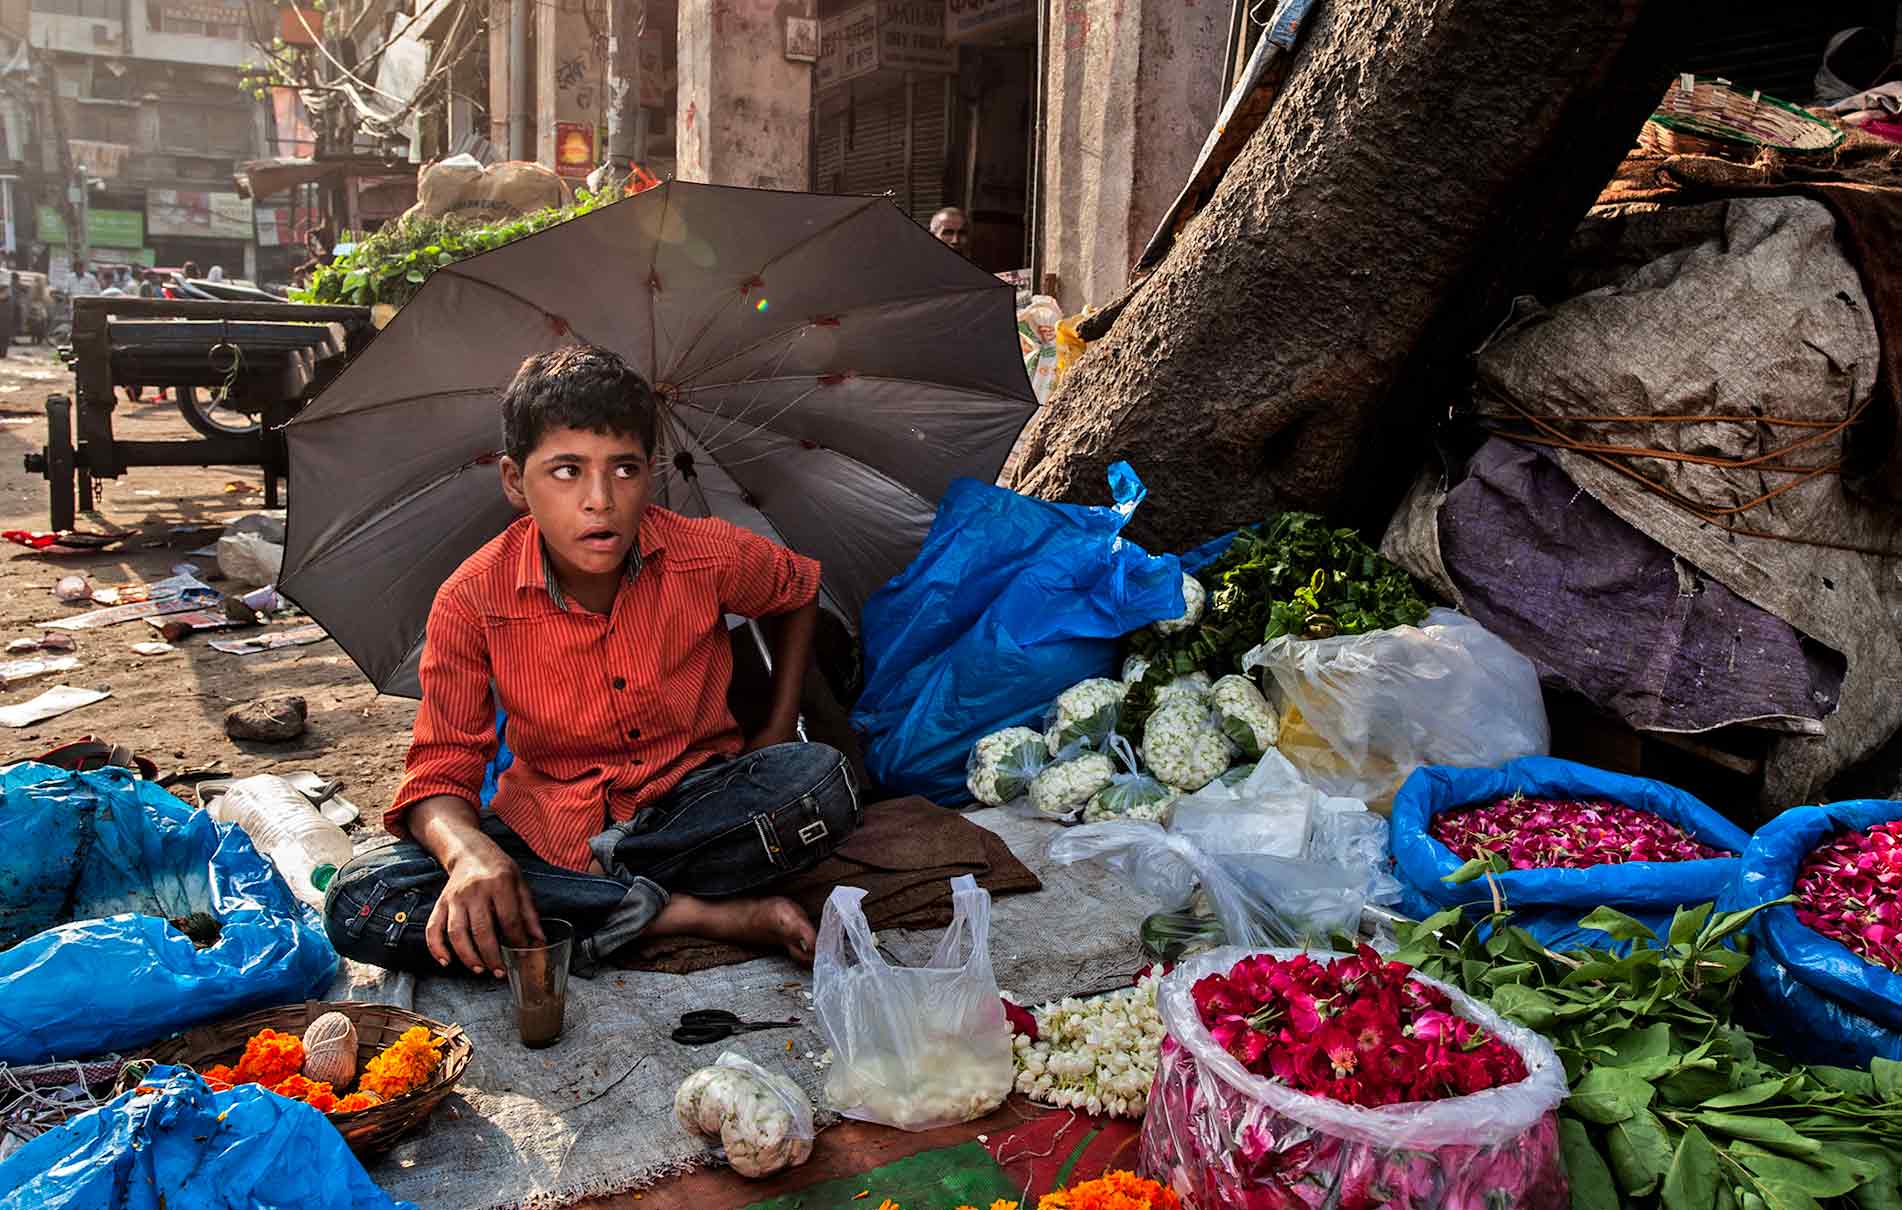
(953, 230)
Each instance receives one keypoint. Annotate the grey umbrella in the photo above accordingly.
(827, 369)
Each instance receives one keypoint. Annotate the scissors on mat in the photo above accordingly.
(704, 1025)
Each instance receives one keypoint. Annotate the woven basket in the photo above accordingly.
(368, 1131)
(1712, 117)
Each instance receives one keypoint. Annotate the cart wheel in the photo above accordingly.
(211, 418)
(60, 459)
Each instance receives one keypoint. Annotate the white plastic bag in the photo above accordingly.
(1269, 813)
(1258, 900)
(1221, 1135)
(247, 558)
(1366, 710)
(1003, 764)
(912, 1047)
(761, 1118)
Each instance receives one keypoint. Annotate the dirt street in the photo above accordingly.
(171, 707)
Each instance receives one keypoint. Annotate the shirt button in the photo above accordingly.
(619, 682)
(634, 734)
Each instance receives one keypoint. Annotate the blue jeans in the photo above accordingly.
(732, 827)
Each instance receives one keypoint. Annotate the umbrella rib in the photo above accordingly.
(922, 382)
(867, 467)
(653, 283)
(400, 401)
(714, 318)
(713, 451)
(710, 438)
(505, 292)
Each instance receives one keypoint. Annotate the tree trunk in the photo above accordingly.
(1425, 158)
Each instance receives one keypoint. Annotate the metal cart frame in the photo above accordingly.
(74, 456)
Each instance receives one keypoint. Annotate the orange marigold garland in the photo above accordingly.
(275, 1061)
(1113, 1191)
(404, 1064)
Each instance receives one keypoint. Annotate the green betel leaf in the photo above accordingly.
(1780, 1195)
(1830, 1176)
(1888, 1079)
(1843, 1079)
(1585, 1170)
(1640, 1153)
(1774, 1133)
(1755, 1094)
(1527, 1005)
(1691, 1183)
(1689, 922)
(1881, 1171)
(1609, 1094)
(1472, 868)
(1618, 926)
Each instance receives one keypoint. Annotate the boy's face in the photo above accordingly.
(587, 492)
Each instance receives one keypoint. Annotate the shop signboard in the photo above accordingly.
(969, 20)
(884, 35)
(194, 215)
(104, 228)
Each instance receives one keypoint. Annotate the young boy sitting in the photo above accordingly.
(634, 807)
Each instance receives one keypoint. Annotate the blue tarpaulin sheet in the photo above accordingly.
(1010, 601)
(173, 1144)
(93, 867)
(1825, 1003)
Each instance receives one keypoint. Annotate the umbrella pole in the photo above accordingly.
(766, 658)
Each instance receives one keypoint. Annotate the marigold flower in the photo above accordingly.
(403, 1065)
(270, 1058)
(356, 1101)
(1113, 1191)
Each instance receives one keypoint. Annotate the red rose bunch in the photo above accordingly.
(1358, 1030)
(1850, 890)
(1549, 833)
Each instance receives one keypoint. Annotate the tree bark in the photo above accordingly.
(1425, 158)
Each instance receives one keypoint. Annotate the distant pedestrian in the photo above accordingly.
(190, 271)
(217, 273)
(953, 230)
(84, 284)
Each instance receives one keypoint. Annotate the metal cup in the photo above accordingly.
(538, 982)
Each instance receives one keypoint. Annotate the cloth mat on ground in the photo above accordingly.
(593, 1115)
(903, 856)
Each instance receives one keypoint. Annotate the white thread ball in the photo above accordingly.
(330, 1051)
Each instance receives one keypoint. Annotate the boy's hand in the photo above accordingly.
(485, 904)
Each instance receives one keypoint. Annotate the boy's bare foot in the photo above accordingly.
(758, 923)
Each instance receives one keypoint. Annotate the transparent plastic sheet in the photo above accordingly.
(912, 1047)
(1083, 717)
(1258, 900)
(1132, 793)
(1271, 812)
(1363, 711)
(761, 1118)
(1224, 1137)
(1004, 763)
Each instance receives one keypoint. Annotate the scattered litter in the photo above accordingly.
(46, 642)
(271, 719)
(65, 542)
(176, 626)
(58, 700)
(112, 596)
(153, 648)
(250, 558)
(178, 594)
(13, 672)
(296, 637)
(73, 589)
(238, 487)
(16, 420)
(143, 491)
(206, 552)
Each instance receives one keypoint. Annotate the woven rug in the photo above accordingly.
(593, 1115)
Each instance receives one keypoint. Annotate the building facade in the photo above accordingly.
(155, 125)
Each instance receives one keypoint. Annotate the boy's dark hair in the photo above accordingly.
(576, 387)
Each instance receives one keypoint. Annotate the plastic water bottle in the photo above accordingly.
(305, 847)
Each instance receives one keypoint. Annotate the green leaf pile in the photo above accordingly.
(391, 265)
(1292, 575)
(1673, 1104)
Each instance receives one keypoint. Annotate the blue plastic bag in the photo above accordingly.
(172, 1142)
(1550, 903)
(1010, 602)
(94, 865)
(1824, 1003)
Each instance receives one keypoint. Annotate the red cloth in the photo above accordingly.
(606, 712)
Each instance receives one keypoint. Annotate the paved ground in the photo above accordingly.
(171, 707)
